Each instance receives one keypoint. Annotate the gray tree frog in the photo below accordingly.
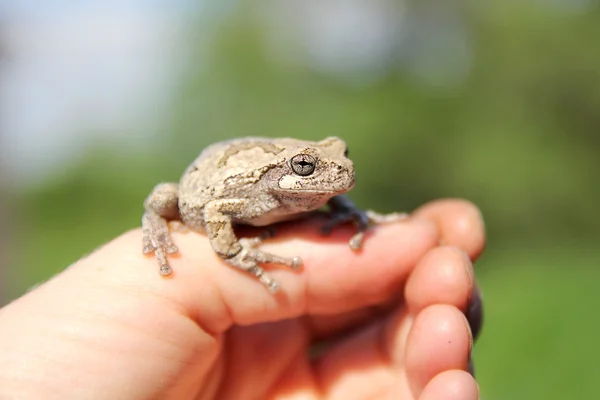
(254, 181)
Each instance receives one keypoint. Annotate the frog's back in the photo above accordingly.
(231, 157)
(225, 168)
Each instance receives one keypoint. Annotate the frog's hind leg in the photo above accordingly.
(161, 206)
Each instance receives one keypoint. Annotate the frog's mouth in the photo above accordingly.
(307, 186)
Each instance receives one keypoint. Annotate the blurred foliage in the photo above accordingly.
(518, 137)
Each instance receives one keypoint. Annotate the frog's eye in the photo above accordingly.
(346, 152)
(303, 164)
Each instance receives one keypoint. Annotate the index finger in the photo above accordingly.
(334, 278)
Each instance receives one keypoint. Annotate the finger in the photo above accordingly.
(451, 385)
(337, 279)
(440, 340)
(334, 278)
(460, 224)
(444, 276)
(374, 360)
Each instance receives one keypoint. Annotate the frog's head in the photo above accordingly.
(313, 172)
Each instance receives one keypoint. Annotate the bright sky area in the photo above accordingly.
(72, 70)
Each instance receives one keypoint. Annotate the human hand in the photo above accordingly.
(387, 322)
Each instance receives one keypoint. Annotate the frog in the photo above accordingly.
(255, 181)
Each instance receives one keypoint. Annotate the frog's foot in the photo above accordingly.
(249, 257)
(343, 215)
(376, 218)
(362, 219)
(156, 238)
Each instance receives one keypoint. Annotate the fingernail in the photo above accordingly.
(469, 268)
(468, 325)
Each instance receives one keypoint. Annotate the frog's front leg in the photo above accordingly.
(342, 210)
(240, 253)
(161, 206)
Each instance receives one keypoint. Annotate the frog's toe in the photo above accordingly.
(356, 241)
(296, 263)
(273, 287)
(165, 270)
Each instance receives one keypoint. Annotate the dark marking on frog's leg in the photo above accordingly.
(240, 253)
(248, 145)
(161, 206)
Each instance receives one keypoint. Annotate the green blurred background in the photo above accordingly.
(497, 102)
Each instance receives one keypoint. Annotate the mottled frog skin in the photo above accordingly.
(253, 181)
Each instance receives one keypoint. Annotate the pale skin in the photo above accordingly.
(111, 327)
